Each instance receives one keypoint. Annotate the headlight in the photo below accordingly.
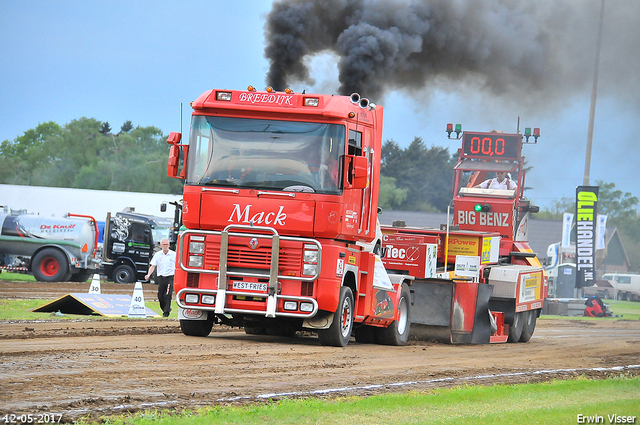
(290, 305)
(309, 269)
(196, 247)
(208, 299)
(306, 307)
(311, 101)
(311, 257)
(191, 298)
(196, 261)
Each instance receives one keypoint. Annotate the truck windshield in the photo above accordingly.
(160, 233)
(266, 154)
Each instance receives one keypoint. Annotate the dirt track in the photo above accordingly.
(103, 367)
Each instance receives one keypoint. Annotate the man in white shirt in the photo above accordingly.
(501, 181)
(165, 261)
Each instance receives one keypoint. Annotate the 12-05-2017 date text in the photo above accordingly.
(31, 418)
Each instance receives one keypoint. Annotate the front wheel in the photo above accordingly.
(529, 325)
(196, 327)
(398, 331)
(124, 274)
(339, 332)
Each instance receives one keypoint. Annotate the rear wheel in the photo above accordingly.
(51, 265)
(197, 327)
(515, 330)
(339, 332)
(529, 325)
(398, 331)
(124, 274)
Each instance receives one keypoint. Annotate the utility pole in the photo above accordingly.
(594, 95)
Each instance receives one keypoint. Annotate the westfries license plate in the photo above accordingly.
(250, 286)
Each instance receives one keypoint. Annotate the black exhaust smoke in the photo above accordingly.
(542, 50)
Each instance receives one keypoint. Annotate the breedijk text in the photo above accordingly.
(278, 99)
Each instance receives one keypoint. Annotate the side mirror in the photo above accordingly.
(163, 207)
(174, 156)
(174, 138)
(174, 160)
(360, 172)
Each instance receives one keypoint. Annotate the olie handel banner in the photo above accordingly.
(586, 214)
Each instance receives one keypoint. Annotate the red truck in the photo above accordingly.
(280, 202)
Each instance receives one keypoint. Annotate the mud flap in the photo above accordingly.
(481, 333)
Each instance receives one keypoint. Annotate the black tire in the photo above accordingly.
(339, 332)
(200, 328)
(81, 276)
(255, 330)
(515, 329)
(283, 330)
(124, 274)
(529, 325)
(51, 265)
(365, 334)
(398, 331)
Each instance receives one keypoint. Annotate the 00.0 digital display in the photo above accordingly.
(491, 145)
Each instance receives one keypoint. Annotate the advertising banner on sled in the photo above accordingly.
(586, 214)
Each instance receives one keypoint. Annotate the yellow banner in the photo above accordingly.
(463, 245)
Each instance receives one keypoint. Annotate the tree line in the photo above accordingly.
(86, 154)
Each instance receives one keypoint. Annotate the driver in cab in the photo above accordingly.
(500, 181)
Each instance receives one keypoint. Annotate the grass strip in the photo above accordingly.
(17, 310)
(554, 402)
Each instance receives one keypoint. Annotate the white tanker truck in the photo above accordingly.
(53, 249)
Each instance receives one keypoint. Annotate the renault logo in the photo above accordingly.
(253, 243)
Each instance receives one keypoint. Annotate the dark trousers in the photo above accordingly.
(165, 292)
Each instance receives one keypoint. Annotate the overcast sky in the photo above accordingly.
(140, 60)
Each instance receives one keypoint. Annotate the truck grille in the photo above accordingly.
(290, 258)
(193, 280)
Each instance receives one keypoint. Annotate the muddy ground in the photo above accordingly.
(105, 367)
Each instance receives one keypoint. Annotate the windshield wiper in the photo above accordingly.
(219, 182)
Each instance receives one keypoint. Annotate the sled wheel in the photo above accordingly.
(515, 330)
(529, 325)
(398, 331)
(51, 265)
(124, 274)
(339, 332)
